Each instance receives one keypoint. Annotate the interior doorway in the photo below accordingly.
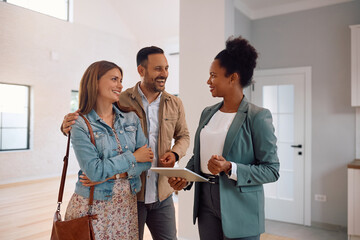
(287, 94)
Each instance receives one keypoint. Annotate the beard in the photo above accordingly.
(154, 86)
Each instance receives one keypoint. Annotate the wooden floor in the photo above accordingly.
(27, 209)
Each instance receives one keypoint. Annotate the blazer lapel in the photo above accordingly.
(210, 112)
(235, 126)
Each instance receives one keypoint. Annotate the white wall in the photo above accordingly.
(242, 27)
(26, 40)
(204, 27)
(357, 136)
(136, 21)
(102, 17)
(319, 38)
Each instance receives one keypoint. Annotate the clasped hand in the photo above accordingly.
(218, 164)
(167, 160)
(144, 154)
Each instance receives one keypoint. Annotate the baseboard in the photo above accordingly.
(330, 227)
(353, 237)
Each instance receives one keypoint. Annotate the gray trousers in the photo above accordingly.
(209, 216)
(160, 219)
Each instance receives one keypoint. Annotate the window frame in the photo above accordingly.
(69, 9)
(74, 91)
(28, 121)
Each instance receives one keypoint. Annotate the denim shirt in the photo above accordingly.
(104, 161)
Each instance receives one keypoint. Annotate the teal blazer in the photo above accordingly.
(251, 144)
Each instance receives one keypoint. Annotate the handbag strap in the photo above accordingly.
(90, 128)
(66, 161)
(92, 138)
(63, 175)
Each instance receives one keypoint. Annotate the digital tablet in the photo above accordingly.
(190, 176)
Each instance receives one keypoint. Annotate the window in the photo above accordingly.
(54, 8)
(74, 103)
(14, 117)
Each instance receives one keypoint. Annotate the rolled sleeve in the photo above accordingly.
(136, 168)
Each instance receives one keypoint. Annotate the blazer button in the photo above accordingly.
(249, 181)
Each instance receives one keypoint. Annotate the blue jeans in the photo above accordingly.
(160, 219)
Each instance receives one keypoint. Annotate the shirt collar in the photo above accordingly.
(92, 115)
(143, 95)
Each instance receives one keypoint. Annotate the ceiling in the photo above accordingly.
(256, 9)
(152, 20)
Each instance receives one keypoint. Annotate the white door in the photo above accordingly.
(282, 91)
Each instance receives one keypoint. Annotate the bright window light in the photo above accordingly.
(74, 103)
(14, 117)
(55, 8)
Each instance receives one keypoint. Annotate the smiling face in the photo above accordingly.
(219, 84)
(155, 73)
(110, 86)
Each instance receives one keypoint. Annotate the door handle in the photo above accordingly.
(296, 146)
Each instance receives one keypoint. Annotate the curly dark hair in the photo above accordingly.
(238, 57)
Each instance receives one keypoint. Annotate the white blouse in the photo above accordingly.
(212, 138)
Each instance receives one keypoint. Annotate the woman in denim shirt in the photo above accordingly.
(117, 160)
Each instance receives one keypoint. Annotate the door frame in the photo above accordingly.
(306, 71)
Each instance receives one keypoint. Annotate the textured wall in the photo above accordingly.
(27, 39)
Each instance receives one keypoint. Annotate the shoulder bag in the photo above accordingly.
(78, 228)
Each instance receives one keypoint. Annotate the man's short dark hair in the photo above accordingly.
(142, 55)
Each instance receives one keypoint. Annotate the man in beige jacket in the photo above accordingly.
(162, 118)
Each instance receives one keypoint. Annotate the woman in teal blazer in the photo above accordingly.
(235, 147)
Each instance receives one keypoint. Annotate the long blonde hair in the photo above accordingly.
(89, 84)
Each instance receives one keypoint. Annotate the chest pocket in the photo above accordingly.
(130, 132)
(170, 118)
(169, 123)
(100, 142)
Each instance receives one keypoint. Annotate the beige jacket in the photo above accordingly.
(172, 125)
